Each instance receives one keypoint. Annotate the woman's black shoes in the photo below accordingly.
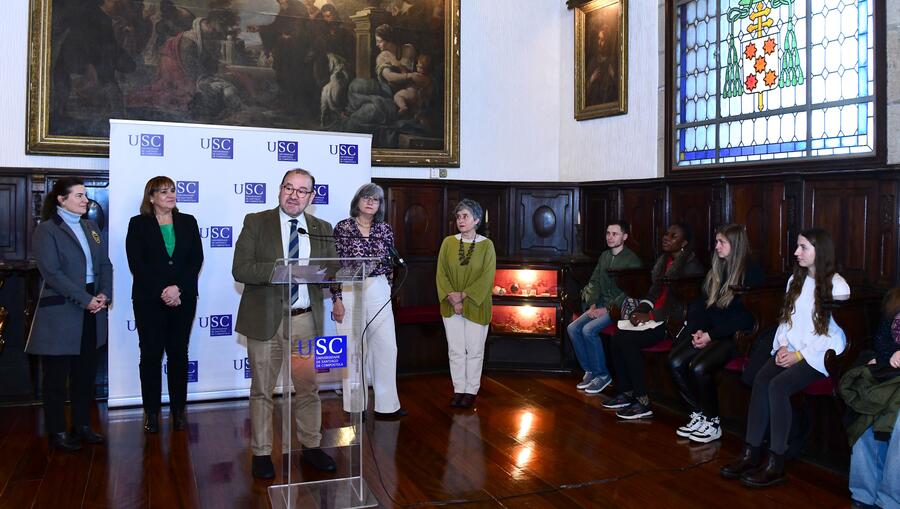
(747, 461)
(770, 474)
(179, 420)
(390, 416)
(85, 434)
(457, 398)
(151, 422)
(64, 442)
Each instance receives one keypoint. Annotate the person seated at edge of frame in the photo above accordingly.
(70, 322)
(707, 343)
(600, 293)
(805, 332)
(366, 235)
(165, 255)
(465, 276)
(677, 260)
(872, 391)
(283, 232)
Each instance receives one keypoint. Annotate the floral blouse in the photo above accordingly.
(350, 243)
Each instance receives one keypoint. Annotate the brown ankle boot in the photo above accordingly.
(769, 475)
(748, 460)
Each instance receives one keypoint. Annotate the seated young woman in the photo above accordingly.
(805, 332)
(677, 260)
(707, 343)
(874, 390)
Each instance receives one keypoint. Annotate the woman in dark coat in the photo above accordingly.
(70, 320)
(165, 255)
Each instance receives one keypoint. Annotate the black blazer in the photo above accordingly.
(152, 267)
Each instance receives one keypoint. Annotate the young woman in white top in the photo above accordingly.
(806, 331)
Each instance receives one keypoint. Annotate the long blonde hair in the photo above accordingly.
(718, 290)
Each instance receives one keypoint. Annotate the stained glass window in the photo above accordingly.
(759, 80)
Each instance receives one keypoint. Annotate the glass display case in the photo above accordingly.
(528, 322)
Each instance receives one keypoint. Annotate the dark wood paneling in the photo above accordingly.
(695, 206)
(850, 211)
(416, 213)
(642, 207)
(760, 207)
(544, 222)
(13, 209)
(601, 207)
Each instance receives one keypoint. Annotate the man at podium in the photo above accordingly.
(283, 232)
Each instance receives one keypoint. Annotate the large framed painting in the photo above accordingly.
(601, 58)
(385, 67)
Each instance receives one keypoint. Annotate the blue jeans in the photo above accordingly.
(875, 470)
(585, 336)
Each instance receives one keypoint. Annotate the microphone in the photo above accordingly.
(400, 261)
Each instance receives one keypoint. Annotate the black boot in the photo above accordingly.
(769, 475)
(748, 460)
(63, 442)
(151, 422)
(86, 435)
(179, 420)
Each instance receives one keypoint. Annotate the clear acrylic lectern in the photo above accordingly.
(299, 485)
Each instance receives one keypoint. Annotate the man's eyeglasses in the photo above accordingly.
(301, 192)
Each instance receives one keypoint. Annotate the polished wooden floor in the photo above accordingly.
(532, 442)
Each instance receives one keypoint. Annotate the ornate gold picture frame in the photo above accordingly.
(386, 67)
(601, 59)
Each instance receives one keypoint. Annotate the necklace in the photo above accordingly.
(465, 257)
(361, 225)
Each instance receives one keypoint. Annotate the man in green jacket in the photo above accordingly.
(600, 293)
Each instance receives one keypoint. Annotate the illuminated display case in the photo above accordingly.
(528, 322)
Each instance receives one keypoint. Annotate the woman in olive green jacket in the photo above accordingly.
(465, 277)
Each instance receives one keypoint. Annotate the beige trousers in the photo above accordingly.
(266, 358)
(465, 348)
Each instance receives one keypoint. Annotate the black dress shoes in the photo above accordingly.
(467, 400)
(151, 422)
(747, 461)
(64, 442)
(86, 435)
(391, 416)
(457, 398)
(262, 467)
(179, 420)
(770, 474)
(318, 459)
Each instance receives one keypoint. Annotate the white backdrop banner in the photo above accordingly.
(221, 174)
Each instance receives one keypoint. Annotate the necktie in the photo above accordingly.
(293, 253)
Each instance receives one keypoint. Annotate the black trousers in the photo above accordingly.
(163, 329)
(79, 372)
(770, 402)
(694, 371)
(626, 347)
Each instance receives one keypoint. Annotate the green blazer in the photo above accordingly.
(257, 248)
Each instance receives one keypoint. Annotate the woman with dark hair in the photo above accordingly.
(70, 320)
(677, 260)
(165, 255)
(806, 331)
(465, 276)
(365, 234)
(708, 340)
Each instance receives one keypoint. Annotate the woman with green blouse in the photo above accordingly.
(465, 277)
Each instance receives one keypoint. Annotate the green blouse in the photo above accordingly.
(476, 278)
(168, 233)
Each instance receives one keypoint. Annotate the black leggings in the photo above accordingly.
(770, 402)
(626, 347)
(694, 371)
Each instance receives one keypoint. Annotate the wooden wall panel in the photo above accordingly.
(849, 211)
(601, 207)
(697, 206)
(416, 213)
(760, 207)
(544, 222)
(642, 207)
(14, 210)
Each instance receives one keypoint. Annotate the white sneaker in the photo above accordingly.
(697, 420)
(588, 378)
(597, 385)
(709, 431)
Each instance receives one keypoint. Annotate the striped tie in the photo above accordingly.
(294, 253)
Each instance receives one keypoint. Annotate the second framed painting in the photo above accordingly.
(601, 59)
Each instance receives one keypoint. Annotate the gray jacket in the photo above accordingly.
(59, 316)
